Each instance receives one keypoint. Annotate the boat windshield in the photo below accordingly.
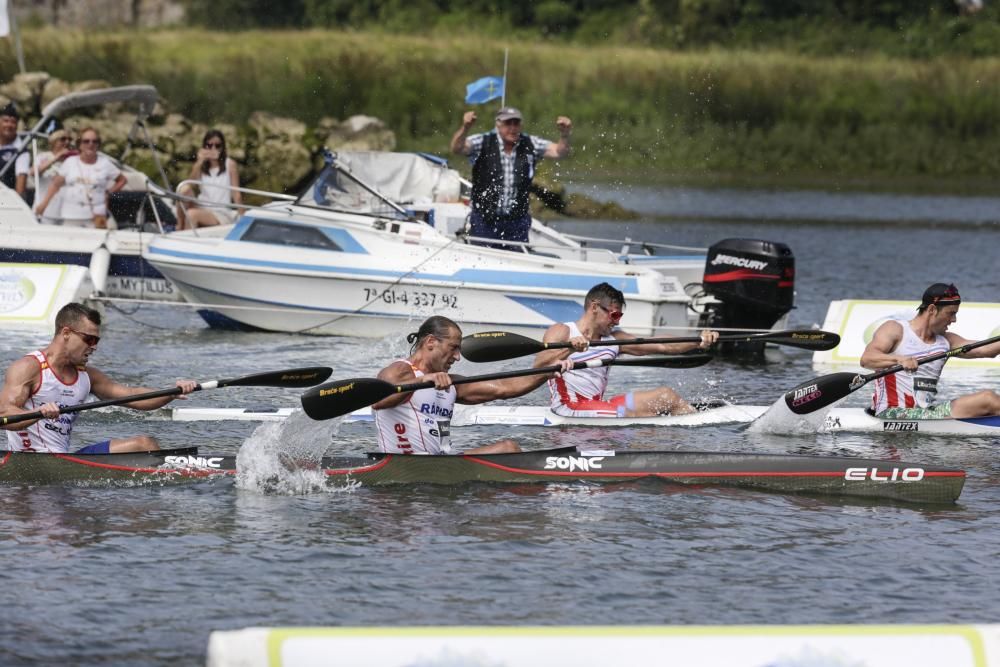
(371, 181)
(332, 189)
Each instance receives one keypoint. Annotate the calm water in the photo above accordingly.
(142, 575)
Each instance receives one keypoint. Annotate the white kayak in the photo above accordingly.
(848, 420)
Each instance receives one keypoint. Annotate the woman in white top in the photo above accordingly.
(219, 177)
(89, 179)
(60, 148)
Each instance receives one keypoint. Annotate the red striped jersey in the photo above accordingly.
(911, 390)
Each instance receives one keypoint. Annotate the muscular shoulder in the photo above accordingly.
(887, 335)
(23, 370)
(556, 333)
(397, 371)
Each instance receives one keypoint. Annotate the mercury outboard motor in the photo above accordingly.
(755, 283)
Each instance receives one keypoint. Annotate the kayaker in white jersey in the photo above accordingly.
(580, 393)
(58, 375)
(912, 393)
(419, 422)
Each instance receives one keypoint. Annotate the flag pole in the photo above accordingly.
(503, 93)
(12, 22)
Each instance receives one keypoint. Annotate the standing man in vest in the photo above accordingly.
(912, 393)
(503, 166)
(15, 176)
(58, 376)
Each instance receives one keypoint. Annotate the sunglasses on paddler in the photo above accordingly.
(615, 315)
(90, 339)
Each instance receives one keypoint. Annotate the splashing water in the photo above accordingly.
(780, 420)
(285, 457)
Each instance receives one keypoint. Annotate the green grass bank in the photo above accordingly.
(714, 115)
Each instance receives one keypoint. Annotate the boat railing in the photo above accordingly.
(645, 247)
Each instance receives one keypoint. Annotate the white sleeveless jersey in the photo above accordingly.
(911, 390)
(419, 425)
(50, 435)
(584, 384)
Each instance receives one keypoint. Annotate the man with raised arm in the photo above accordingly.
(503, 166)
(419, 422)
(58, 376)
(580, 393)
(912, 393)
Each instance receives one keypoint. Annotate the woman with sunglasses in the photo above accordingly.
(60, 375)
(581, 393)
(88, 178)
(60, 148)
(218, 178)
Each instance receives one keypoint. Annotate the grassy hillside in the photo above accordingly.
(652, 113)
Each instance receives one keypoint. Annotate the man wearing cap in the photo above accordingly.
(15, 176)
(912, 393)
(503, 166)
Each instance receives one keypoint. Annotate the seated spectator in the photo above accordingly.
(89, 178)
(218, 176)
(47, 167)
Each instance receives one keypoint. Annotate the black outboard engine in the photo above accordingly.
(755, 283)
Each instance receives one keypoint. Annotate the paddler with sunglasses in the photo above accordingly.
(580, 393)
(58, 375)
(912, 394)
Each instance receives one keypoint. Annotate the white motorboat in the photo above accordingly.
(846, 420)
(378, 240)
(113, 255)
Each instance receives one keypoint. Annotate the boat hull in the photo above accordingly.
(834, 476)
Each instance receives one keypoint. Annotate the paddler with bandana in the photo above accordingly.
(58, 375)
(419, 422)
(912, 393)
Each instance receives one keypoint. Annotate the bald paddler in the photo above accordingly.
(912, 393)
(59, 376)
(419, 422)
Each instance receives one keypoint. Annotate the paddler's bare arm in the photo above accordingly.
(18, 385)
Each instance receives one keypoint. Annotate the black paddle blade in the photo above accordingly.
(805, 339)
(334, 399)
(290, 377)
(820, 392)
(497, 346)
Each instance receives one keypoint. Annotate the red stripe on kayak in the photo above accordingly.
(560, 473)
(347, 471)
(185, 471)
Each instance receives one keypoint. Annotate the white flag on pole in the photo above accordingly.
(4, 23)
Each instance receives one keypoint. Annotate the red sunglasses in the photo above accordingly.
(615, 315)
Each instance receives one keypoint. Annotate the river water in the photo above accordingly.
(141, 575)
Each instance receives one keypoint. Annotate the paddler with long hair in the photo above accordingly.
(59, 376)
(912, 393)
(419, 422)
(580, 393)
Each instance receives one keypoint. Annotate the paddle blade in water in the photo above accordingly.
(497, 346)
(334, 399)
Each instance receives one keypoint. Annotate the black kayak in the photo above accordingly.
(780, 473)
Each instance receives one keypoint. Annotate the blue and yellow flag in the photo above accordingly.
(485, 89)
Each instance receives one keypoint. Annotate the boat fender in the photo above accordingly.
(100, 262)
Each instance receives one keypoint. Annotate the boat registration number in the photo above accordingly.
(416, 298)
